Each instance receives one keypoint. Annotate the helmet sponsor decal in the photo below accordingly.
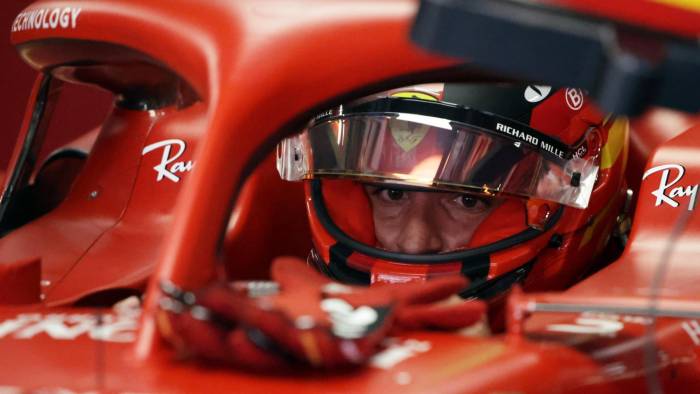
(574, 98)
(581, 150)
(169, 166)
(590, 144)
(530, 139)
(47, 19)
(512, 131)
(665, 193)
(537, 93)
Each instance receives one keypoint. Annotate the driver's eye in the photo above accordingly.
(468, 201)
(394, 194)
(472, 203)
(388, 195)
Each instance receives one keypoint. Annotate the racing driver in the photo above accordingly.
(501, 183)
(427, 192)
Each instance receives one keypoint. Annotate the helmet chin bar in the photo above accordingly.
(478, 287)
(478, 254)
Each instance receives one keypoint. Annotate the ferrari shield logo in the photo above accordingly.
(409, 136)
(408, 139)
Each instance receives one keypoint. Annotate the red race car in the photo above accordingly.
(177, 188)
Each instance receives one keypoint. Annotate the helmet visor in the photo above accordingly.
(431, 152)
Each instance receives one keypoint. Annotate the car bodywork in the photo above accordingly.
(161, 199)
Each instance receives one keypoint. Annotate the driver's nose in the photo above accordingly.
(420, 233)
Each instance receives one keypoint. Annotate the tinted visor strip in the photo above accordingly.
(485, 121)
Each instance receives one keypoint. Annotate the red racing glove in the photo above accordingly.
(305, 319)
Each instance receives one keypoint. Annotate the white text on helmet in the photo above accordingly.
(529, 139)
(517, 133)
(551, 149)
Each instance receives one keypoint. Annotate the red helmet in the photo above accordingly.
(539, 169)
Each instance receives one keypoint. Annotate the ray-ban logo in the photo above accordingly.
(169, 166)
(671, 174)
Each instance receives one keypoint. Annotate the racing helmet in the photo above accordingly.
(544, 166)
